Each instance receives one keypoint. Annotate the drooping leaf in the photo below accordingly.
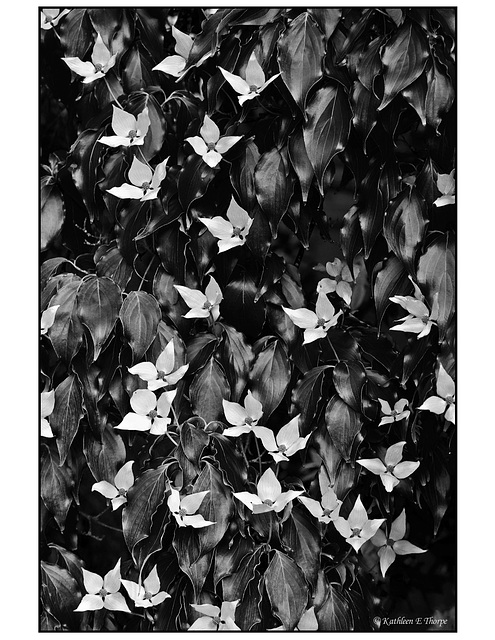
(287, 590)
(60, 594)
(349, 378)
(230, 462)
(76, 33)
(67, 414)
(208, 388)
(301, 540)
(334, 614)
(228, 555)
(327, 18)
(404, 226)
(300, 52)
(440, 95)
(52, 212)
(56, 485)
(309, 395)
(110, 263)
(242, 174)
(106, 457)
(273, 187)
(66, 333)
(390, 281)
(301, 162)
(343, 425)
(140, 315)
(369, 65)
(339, 345)
(237, 357)
(364, 106)
(98, 306)
(193, 442)
(270, 376)
(143, 499)
(351, 237)
(415, 94)
(404, 58)
(194, 179)
(199, 351)
(326, 128)
(234, 586)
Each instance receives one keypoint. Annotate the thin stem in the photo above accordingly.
(143, 277)
(333, 349)
(260, 468)
(101, 524)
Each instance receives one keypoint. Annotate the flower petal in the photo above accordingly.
(139, 172)
(299, 444)
(405, 469)
(152, 582)
(450, 414)
(159, 174)
(159, 598)
(342, 527)
(166, 360)
(313, 506)
(145, 370)
(213, 292)
(387, 557)
(90, 602)
(389, 481)
(134, 422)
(371, 527)
(249, 96)
(46, 430)
(203, 624)
(379, 539)
(143, 401)
(111, 581)
(212, 158)
(192, 297)
(267, 82)
(228, 609)
(84, 69)
(236, 415)
(374, 465)
(192, 502)
(126, 191)
(233, 432)
(100, 55)
(135, 591)
(434, 404)
(173, 65)
(394, 453)
(334, 268)
(226, 142)
(116, 602)
(225, 245)
(209, 131)
(386, 408)
(329, 500)
(48, 318)
(115, 141)
(324, 308)
(236, 82)
(326, 286)
(47, 403)
(197, 521)
(403, 548)
(283, 500)
(310, 335)
(398, 528)
(197, 313)
(269, 488)
(344, 290)
(207, 609)
(143, 123)
(358, 516)
(442, 201)
(249, 499)
(266, 436)
(106, 489)
(92, 581)
(198, 144)
(159, 426)
(302, 318)
(124, 478)
(445, 384)
(118, 502)
(308, 621)
(254, 408)
(289, 433)
(122, 122)
(173, 501)
(165, 402)
(218, 227)
(175, 376)
(183, 42)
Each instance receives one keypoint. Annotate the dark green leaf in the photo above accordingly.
(155, 137)
(67, 414)
(440, 96)
(52, 212)
(193, 442)
(208, 388)
(60, 594)
(343, 424)
(76, 33)
(327, 18)
(199, 350)
(390, 281)
(364, 105)
(415, 94)
(370, 65)
(273, 186)
(56, 485)
(287, 590)
(242, 175)
(349, 378)
(237, 357)
(110, 263)
(334, 614)
(140, 315)
(309, 395)
(230, 462)
(301, 162)
(106, 457)
(270, 376)
(194, 179)
(66, 333)
(234, 586)
(301, 540)
(228, 556)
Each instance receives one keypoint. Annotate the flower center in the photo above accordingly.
(98, 67)
(152, 414)
(207, 305)
(103, 593)
(269, 503)
(327, 512)
(390, 468)
(132, 134)
(394, 413)
(449, 400)
(321, 322)
(253, 87)
(211, 146)
(250, 421)
(425, 318)
(182, 512)
(147, 595)
(282, 448)
(236, 232)
(145, 187)
(355, 532)
(122, 492)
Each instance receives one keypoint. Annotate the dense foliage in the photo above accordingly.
(232, 439)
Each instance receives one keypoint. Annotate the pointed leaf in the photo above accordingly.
(140, 315)
(343, 425)
(273, 187)
(242, 174)
(194, 178)
(390, 281)
(287, 590)
(309, 395)
(301, 540)
(237, 357)
(327, 18)
(57, 484)
(67, 414)
(60, 594)
(66, 333)
(349, 379)
(301, 162)
(270, 376)
(440, 95)
(106, 457)
(208, 388)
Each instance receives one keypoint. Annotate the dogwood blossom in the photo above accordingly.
(48, 318)
(145, 182)
(420, 320)
(339, 282)
(245, 420)
(149, 414)
(162, 374)
(254, 83)
(215, 618)
(444, 402)
(184, 509)
(101, 62)
(202, 305)
(47, 407)
(357, 529)
(394, 545)
(317, 324)
(392, 470)
(269, 497)
(117, 492)
(51, 17)
(130, 131)
(175, 65)
(446, 186)
(231, 232)
(210, 146)
(147, 594)
(399, 412)
(287, 441)
(103, 592)
(327, 510)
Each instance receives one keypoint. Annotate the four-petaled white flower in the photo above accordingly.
(215, 618)
(149, 414)
(147, 594)
(399, 412)
(51, 17)
(202, 305)
(254, 83)
(394, 544)
(445, 400)
(117, 492)
(269, 497)
(47, 407)
(339, 282)
(101, 62)
(145, 182)
(245, 420)
(317, 324)
(420, 320)
(175, 65)
(327, 510)
(162, 374)
(357, 529)
(392, 470)
(210, 146)
(102, 592)
(446, 186)
(287, 441)
(184, 509)
(232, 232)
(129, 131)
(48, 318)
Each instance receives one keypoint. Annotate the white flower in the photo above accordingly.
(175, 65)
(51, 17)
(444, 402)
(254, 83)
(357, 529)
(269, 497)
(287, 441)
(420, 320)
(184, 509)
(117, 492)
(339, 282)
(210, 146)
(129, 130)
(232, 232)
(392, 470)
(245, 420)
(148, 594)
(102, 592)
(102, 61)
(202, 305)
(316, 324)
(162, 374)
(47, 407)
(327, 510)
(215, 618)
(149, 415)
(399, 412)
(145, 182)
(394, 544)
(446, 186)
(48, 318)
